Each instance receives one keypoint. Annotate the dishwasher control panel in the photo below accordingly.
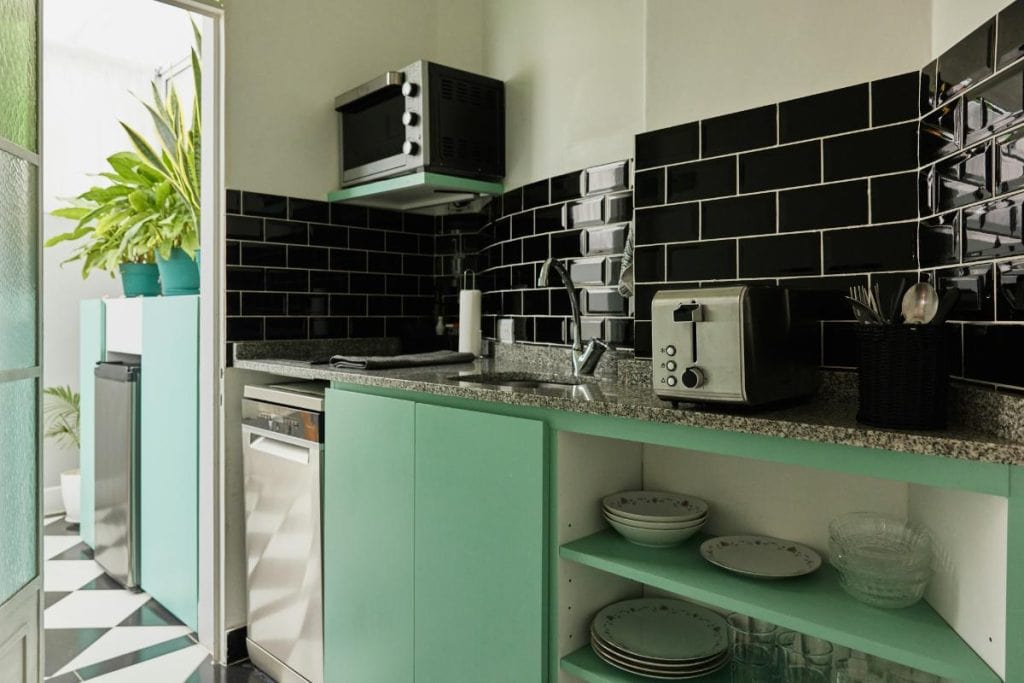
(286, 420)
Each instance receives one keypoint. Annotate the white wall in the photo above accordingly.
(94, 54)
(954, 19)
(286, 62)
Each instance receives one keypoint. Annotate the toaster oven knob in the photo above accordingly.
(409, 89)
(693, 377)
(671, 366)
(410, 118)
(410, 148)
(671, 381)
(670, 350)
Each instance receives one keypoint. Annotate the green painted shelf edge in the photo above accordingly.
(587, 666)
(816, 604)
(416, 191)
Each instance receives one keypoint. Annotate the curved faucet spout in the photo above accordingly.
(584, 359)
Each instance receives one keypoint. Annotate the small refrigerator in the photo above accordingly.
(117, 470)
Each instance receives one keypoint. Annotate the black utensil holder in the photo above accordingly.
(903, 377)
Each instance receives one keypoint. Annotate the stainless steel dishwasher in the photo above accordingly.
(282, 449)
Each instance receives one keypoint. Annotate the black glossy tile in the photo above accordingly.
(403, 284)
(240, 278)
(649, 264)
(328, 328)
(512, 201)
(417, 264)
(1010, 38)
(642, 339)
(963, 179)
(64, 644)
(348, 259)
(286, 231)
(649, 187)
(349, 214)
(512, 253)
(929, 87)
(308, 210)
(523, 276)
(739, 132)
(787, 166)
(827, 113)
(367, 327)
(738, 216)
(642, 298)
(702, 180)
(266, 205)
(992, 353)
(384, 219)
(939, 240)
(675, 223)
(824, 206)
(286, 328)
(780, 255)
(308, 304)
(535, 302)
(308, 257)
(264, 303)
(967, 62)
(348, 304)
(512, 303)
(995, 106)
(941, 132)
(382, 262)
(839, 345)
(233, 303)
(416, 223)
(233, 201)
(418, 305)
(702, 261)
(362, 283)
(895, 99)
(668, 145)
(260, 254)
(244, 329)
(535, 248)
(232, 254)
(880, 150)
(1010, 291)
(822, 298)
(894, 197)
(549, 218)
(244, 228)
(502, 230)
(522, 224)
(975, 282)
(549, 330)
(401, 242)
(565, 243)
(385, 305)
(328, 235)
(886, 247)
(565, 187)
(282, 280)
(1009, 150)
(367, 238)
(536, 194)
(994, 230)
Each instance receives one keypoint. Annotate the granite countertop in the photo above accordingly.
(829, 418)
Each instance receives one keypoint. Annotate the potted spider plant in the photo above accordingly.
(61, 410)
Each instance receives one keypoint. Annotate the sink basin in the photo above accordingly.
(525, 382)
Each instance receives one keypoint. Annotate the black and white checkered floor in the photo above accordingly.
(97, 631)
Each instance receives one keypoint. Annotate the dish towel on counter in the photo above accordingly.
(410, 360)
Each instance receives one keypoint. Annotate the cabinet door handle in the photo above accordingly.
(279, 449)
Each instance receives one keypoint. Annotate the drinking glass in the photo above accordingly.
(752, 664)
(804, 674)
(800, 653)
(744, 630)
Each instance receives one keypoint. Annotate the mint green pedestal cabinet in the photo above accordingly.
(435, 526)
(91, 350)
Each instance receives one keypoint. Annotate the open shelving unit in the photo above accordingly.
(587, 666)
(417, 192)
(816, 604)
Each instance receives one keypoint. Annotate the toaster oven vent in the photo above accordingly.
(461, 148)
(466, 92)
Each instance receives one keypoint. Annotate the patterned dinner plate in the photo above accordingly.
(662, 631)
(762, 557)
(609, 654)
(655, 506)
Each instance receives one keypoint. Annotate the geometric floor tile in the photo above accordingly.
(103, 582)
(151, 613)
(69, 575)
(64, 644)
(59, 527)
(50, 598)
(79, 551)
(93, 609)
(55, 545)
(122, 641)
(243, 672)
(130, 660)
(174, 667)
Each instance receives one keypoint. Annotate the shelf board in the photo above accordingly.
(816, 604)
(587, 666)
(416, 191)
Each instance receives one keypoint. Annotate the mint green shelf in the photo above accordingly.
(416, 191)
(816, 604)
(587, 666)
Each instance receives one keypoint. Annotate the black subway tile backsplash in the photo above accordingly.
(649, 264)
(894, 197)
(1010, 38)
(565, 187)
(349, 214)
(895, 99)
(814, 116)
(702, 179)
(967, 62)
(535, 194)
(992, 353)
(308, 210)
(825, 206)
(738, 216)
(286, 231)
(939, 240)
(266, 205)
(264, 303)
(739, 132)
(871, 152)
(259, 254)
(858, 250)
(714, 260)
(668, 145)
(786, 166)
(244, 228)
(649, 187)
(782, 255)
(994, 230)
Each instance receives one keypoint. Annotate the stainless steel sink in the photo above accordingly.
(525, 382)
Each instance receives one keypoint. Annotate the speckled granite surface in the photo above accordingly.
(316, 348)
(829, 418)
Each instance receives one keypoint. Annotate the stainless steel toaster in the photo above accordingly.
(740, 344)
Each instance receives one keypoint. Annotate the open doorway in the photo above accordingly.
(111, 69)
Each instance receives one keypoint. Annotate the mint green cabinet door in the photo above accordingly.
(480, 533)
(368, 539)
(91, 350)
(169, 482)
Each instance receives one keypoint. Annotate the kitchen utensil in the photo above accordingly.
(760, 556)
(655, 506)
(946, 304)
(863, 312)
(662, 630)
(920, 304)
(894, 303)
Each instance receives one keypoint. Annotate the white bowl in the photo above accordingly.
(609, 515)
(654, 538)
(655, 506)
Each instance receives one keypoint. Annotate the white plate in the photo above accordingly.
(672, 631)
(654, 538)
(654, 525)
(648, 672)
(760, 556)
(655, 506)
(653, 665)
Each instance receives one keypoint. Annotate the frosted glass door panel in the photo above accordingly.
(18, 474)
(18, 72)
(19, 237)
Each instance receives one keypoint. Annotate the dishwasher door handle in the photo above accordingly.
(280, 449)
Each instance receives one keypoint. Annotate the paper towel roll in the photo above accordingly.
(469, 321)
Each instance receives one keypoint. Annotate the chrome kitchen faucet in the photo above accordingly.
(584, 358)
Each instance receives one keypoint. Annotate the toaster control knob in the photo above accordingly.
(670, 350)
(671, 381)
(693, 377)
(410, 148)
(410, 118)
(409, 89)
(671, 366)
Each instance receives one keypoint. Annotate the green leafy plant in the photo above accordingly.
(151, 202)
(61, 411)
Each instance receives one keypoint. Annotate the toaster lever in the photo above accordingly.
(688, 313)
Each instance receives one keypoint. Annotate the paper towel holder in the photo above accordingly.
(468, 272)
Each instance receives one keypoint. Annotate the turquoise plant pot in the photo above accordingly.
(179, 274)
(140, 279)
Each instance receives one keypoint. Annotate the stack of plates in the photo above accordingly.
(664, 639)
(655, 518)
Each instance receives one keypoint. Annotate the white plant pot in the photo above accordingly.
(71, 492)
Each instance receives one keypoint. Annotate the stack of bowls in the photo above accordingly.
(882, 561)
(656, 519)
